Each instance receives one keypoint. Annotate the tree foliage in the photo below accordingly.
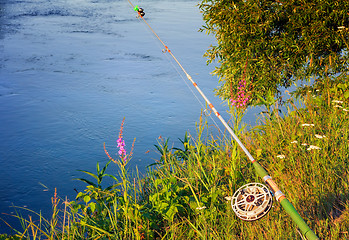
(263, 45)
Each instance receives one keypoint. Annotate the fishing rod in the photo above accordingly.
(251, 201)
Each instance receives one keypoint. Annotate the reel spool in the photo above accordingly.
(252, 201)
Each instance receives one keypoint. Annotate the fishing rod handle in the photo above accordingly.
(285, 203)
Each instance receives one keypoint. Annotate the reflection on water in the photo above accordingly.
(72, 70)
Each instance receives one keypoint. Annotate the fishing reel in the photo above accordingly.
(252, 201)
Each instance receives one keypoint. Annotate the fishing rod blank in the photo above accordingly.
(253, 205)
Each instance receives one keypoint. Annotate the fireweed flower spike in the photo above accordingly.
(121, 145)
(241, 98)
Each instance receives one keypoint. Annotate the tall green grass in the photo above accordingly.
(185, 194)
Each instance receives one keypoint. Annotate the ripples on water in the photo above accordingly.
(70, 72)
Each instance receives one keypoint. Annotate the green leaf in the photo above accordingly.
(346, 94)
(170, 213)
(80, 194)
(157, 182)
(92, 206)
(114, 186)
(162, 205)
(258, 152)
(89, 173)
(342, 86)
(111, 176)
(97, 166)
(105, 167)
(86, 181)
(87, 199)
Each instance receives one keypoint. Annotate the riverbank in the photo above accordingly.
(185, 194)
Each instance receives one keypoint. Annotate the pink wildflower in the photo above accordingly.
(121, 143)
(241, 98)
(121, 146)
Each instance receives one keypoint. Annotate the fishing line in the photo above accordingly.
(195, 95)
(207, 112)
(251, 200)
(136, 8)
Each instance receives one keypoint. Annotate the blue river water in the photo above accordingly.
(71, 70)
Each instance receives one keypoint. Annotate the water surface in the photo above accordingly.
(70, 71)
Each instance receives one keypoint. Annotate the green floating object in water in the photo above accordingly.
(136, 8)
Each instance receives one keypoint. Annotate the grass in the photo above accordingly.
(183, 195)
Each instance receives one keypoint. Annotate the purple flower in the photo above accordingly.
(242, 97)
(122, 150)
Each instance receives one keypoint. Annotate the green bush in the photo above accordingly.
(263, 45)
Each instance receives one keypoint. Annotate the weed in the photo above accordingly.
(185, 194)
